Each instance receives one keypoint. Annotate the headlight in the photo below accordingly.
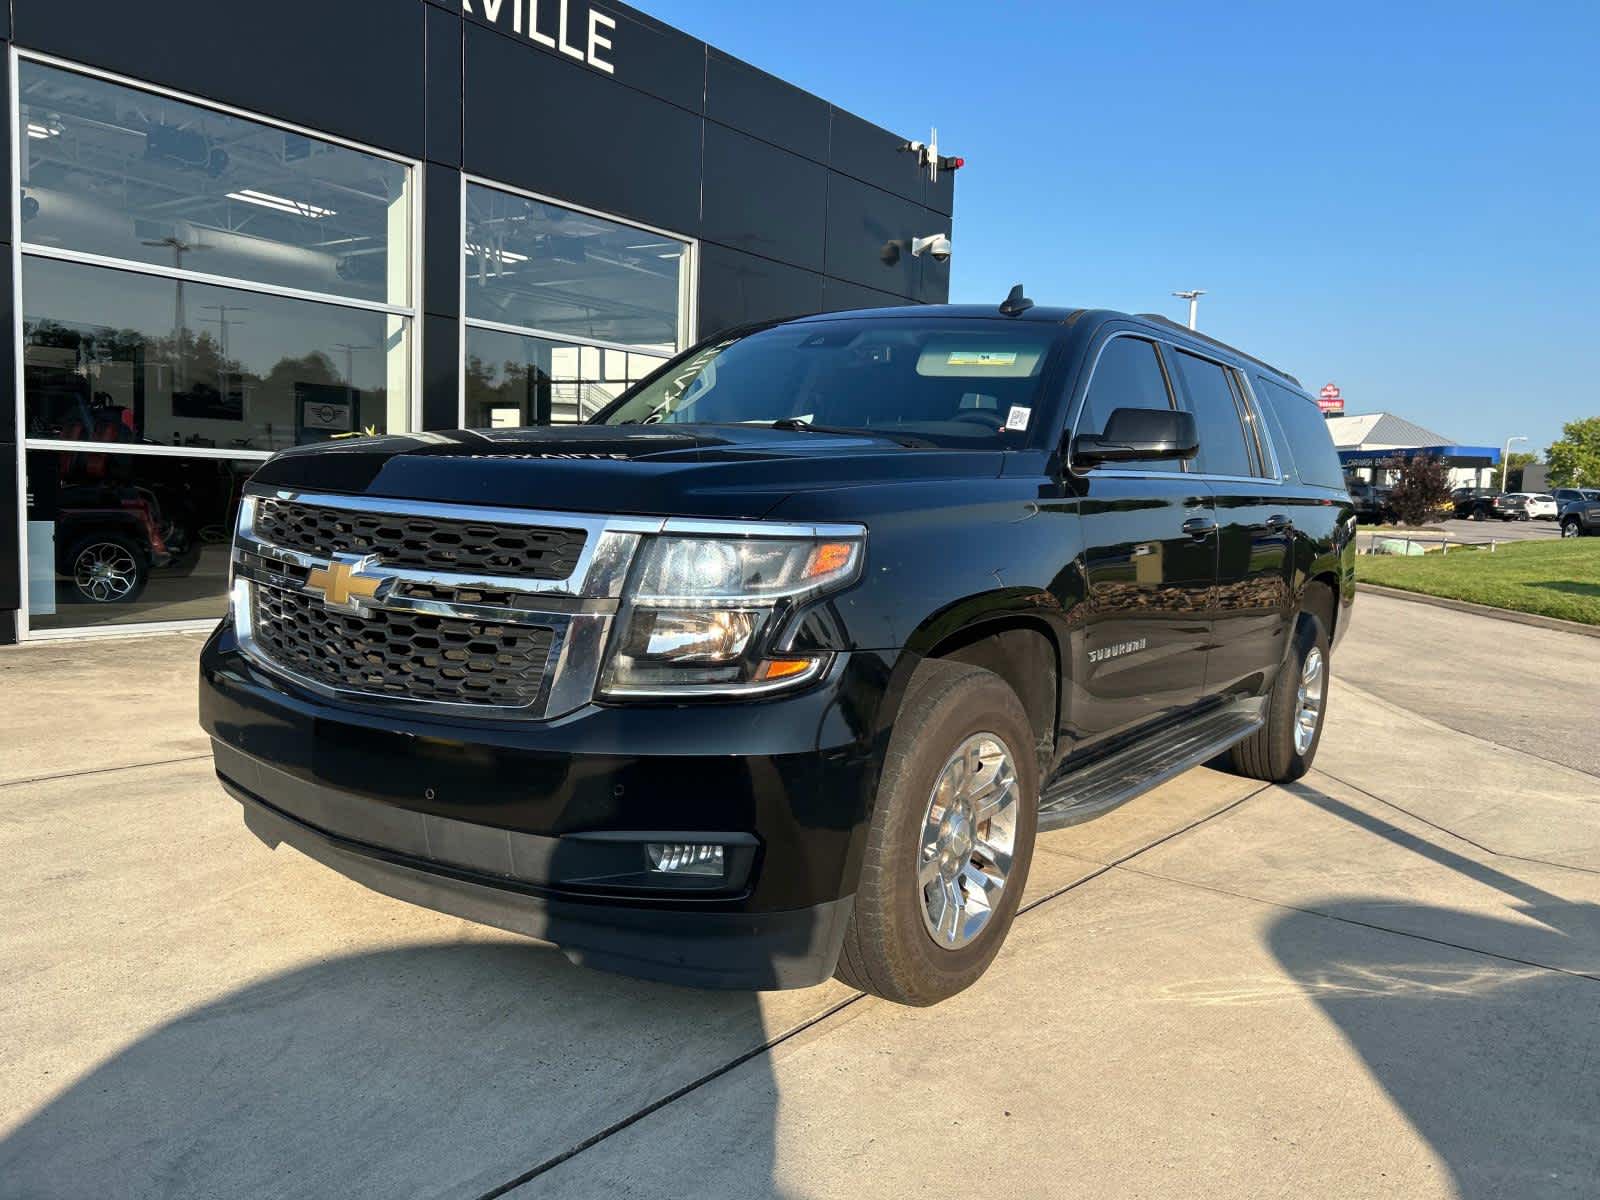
(703, 612)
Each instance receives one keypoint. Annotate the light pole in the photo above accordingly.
(1193, 297)
(1505, 460)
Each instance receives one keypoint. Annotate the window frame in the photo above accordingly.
(688, 287)
(1082, 403)
(1252, 452)
(20, 249)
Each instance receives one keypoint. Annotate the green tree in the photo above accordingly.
(1421, 490)
(1575, 459)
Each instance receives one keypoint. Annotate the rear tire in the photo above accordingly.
(929, 840)
(1282, 750)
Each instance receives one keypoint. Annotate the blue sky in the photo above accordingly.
(1403, 198)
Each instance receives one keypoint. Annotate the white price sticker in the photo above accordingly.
(1017, 418)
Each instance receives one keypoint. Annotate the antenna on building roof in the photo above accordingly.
(1016, 303)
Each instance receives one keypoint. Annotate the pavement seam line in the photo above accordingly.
(1448, 832)
(656, 1105)
(1425, 719)
(1313, 912)
(768, 1046)
(162, 762)
(1161, 841)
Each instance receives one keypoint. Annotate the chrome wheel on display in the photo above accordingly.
(1308, 705)
(105, 572)
(968, 840)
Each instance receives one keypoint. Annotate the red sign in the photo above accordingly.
(1330, 399)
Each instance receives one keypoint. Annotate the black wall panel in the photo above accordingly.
(763, 200)
(5, 158)
(10, 552)
(9, 432)
(444, 86)
(838, 294)
(647, 55)
(441, 372)
(933, 277)
(738, 288)
(441, 241)
(739, 95)
(873, 155)
(566, 130)
(349, 67)
(869, 236)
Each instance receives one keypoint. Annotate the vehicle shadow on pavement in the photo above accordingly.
(441, 1070)
(1490, 1055)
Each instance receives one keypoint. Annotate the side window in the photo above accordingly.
(1305, 434)
(1128, 375)
(1223, 448)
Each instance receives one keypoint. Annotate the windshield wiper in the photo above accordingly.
(802, 426)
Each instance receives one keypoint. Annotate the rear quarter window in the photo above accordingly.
(1302, 435)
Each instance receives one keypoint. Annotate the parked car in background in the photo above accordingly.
(1538, 506)
(107, 540)
(1479, 504)
(1581, 519)
(1567, 497)
(1372, 502)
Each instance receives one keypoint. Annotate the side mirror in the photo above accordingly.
(1139, 435)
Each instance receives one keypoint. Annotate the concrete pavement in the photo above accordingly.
(1536, 690)
(1379, 981)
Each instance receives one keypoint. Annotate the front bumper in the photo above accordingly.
(520, 824)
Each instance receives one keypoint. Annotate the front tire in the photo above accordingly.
(951, 839)
(1571, 528)
(1283, 749)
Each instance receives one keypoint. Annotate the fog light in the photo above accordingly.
(685, 858)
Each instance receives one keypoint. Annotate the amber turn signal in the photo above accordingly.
(783, 668)
(828, 558)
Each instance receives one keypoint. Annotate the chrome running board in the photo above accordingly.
(1073, 795)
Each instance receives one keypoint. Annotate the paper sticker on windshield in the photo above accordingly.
(1017, 418)
(982, 358)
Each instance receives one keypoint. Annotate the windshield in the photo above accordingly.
(942, 381)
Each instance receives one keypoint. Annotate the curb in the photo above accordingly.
(1484, 610)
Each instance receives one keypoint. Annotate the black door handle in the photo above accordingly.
(1278, 521)
(1199, 527)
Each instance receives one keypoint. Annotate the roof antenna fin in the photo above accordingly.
(1016, 303)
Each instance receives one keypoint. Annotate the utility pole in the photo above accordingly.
(1193, 297)
(224, 323)
(350, 360)
(179, 247)
(1505, 460)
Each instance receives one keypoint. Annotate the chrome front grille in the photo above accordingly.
(403, 655)
(429, 543)
(456, 608)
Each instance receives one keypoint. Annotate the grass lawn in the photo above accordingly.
(1554, 579)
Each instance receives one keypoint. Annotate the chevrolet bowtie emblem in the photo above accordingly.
(345, 583)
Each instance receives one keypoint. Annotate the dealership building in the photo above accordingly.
(1372, 446)
(238, 228)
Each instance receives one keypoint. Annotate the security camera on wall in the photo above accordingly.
(936, 245)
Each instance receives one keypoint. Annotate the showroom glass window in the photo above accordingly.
(564, 309)
(199, 289)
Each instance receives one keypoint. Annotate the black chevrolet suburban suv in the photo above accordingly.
(775, 668)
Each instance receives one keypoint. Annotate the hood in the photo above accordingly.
(737, 471)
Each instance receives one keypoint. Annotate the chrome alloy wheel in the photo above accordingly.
(1308, 707)
(968, 838)
(105, 572)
